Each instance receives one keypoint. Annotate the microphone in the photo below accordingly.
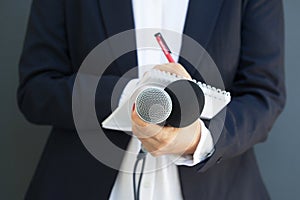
(178, 105)
(153, 105)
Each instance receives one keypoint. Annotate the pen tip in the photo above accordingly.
(157, 34)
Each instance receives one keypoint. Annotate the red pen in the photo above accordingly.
(164, 47)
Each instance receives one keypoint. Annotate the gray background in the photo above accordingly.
(21, 143)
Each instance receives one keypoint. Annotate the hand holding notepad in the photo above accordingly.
(214, 99)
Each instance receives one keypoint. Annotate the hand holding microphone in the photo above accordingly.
(177, 107)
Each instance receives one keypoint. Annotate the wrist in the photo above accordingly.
(197, 136)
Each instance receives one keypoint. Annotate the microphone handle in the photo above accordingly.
(143, 150)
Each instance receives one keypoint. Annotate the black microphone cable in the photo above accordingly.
(140, 157)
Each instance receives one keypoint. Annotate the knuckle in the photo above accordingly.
(163, 142)
(136, 120)
(157, 66)
(178, 65)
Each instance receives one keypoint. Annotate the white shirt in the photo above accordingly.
(160, 179)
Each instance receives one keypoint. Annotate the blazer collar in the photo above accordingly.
(200, 21)
(199, 25)
(117, 16)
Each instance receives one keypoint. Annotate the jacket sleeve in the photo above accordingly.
(258, 91)
(46, 71)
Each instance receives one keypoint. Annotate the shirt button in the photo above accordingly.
(219, 160)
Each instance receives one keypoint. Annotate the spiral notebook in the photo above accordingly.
(120, 119)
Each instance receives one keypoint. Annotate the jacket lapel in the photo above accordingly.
(200, 22)
(117, 16)
(199, 25)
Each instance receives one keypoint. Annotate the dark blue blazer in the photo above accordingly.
(244, 38)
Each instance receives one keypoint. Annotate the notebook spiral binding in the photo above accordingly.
(166, 78)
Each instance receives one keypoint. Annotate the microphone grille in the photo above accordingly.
(153, 105)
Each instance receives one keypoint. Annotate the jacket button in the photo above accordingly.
(219, 160)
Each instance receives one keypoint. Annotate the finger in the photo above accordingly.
(174, 68)
(180, 69)
(153, 147)
(142, 129)
(149, 144)
(136, 119)
(151, 130)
